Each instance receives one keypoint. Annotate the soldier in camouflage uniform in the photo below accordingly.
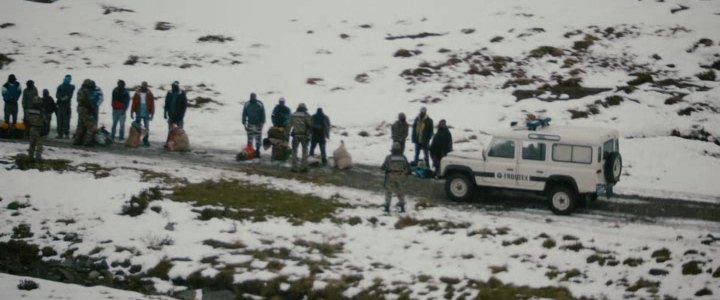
(33, 114)
(86, 120)
(396, 167)
(300, 126)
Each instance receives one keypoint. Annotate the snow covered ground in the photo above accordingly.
(347, 51)
(418, 255)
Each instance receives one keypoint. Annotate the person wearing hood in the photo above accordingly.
(143, 109)
(86, 121)
(175, 106)
(63, 113)
(253, 119)
(441, 145)
(300, 126)
(48, 108)
(120, 103)
(396, 167)
(399, 131)
(34, 119)
(320, 133)
(281, 115)
(422, 132)
(11, 92)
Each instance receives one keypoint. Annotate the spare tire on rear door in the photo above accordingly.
(613, 167)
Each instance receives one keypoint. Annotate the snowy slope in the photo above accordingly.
(277, 46)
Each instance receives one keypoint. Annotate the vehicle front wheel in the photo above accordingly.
(561, 200)
(458, 187)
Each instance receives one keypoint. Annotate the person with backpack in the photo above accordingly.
(441, 145)
(48, 108)
(396, 167)
(63, 113)
(320, 133)
(120, 102)
(281, 116)
(399, 131)
(422, 132)
(300, 126)
(253, 119)
(143, 110)
(86, 120)
(175, 106)
(11, 92)
(33, 115)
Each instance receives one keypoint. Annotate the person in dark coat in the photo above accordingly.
(422, 132)
(11, 92)
(120, 102)
(29, 96)
(441, 144)
(253, 119)
(175, 106)
(86, 119)
(48, 108)
(64, 96)
(320, 133)
(281, 115)
(399, 131)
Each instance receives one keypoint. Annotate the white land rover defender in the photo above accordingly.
(562, 163)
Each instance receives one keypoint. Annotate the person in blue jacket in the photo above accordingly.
(11, 92)
(253, 118)
(120, 103)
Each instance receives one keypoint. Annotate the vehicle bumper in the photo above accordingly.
(604, 189)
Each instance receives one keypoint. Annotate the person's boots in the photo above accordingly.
(386, 208)
(402, 207)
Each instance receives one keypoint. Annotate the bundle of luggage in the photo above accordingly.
(248, 153)
(102, 137)
(277, 140)
(136, 134)
(342, 157)
(177, 140)
(9, 132)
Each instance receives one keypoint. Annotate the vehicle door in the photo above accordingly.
(501, 164)
(532, 165)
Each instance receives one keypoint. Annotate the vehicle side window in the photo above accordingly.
(502, 149)
(608, 147)
(533, 151)
(570, 153)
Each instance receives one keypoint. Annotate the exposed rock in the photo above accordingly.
(658, 272)
(163, 26)
(406, 53)
(413, 36)
(6, 25)
(215, 38)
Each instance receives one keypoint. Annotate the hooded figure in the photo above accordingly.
(441, 145)
(48, 108)
(396, 167)
(120, 103)
(399, 131)
(281, 114)
(86, 125)
(422, 131)
(11, 92)
(175, 106)
(300, 126)
(253, 119)
(33, 115)
(64, 96)
(30, 94)
(320, 133)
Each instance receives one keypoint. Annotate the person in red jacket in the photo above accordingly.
(143, 107)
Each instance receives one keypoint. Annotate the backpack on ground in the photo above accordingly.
(178, 140)
(248, 153)
(136, 133)
(342, 157)
(102, 137)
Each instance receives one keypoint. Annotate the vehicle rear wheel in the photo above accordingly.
(613, 167)
(458, 187)
(561, 200)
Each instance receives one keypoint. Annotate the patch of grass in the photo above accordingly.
(24, 162)
(708, 75)
(640, 78)
(546, 50)
(429, 224)
(585, 43)
(716, 274)
(633, 261)
(326, 249)
(137, 204)
(578, 114)
(224, 245)
(661, 255)
(692, 268)
(17, 205)
(602, 260)
(215, 38)
(22, 231)
(673, 100)
(161, 269)
(703, 292)
(498, 269)
(518, 241)
(642, 284)
(256, 203)
(496, 39)
(354, 221)
(572, 247)
(497, 290)
(613, 100)
(268, 253)
(27, 285)
(570, 274)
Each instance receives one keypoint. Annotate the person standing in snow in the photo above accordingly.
(399, 131)
(281, 116)
(300, 126)
(441, 145)
(396, 167)
(422, 132)
(86, 120)
(175, 106)
(11, 92)
(143, 108)
(97, 100)
(48, 108)
(253, 119)
(33, 115)
(120, 102)
(64, 96)
(320, 133)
